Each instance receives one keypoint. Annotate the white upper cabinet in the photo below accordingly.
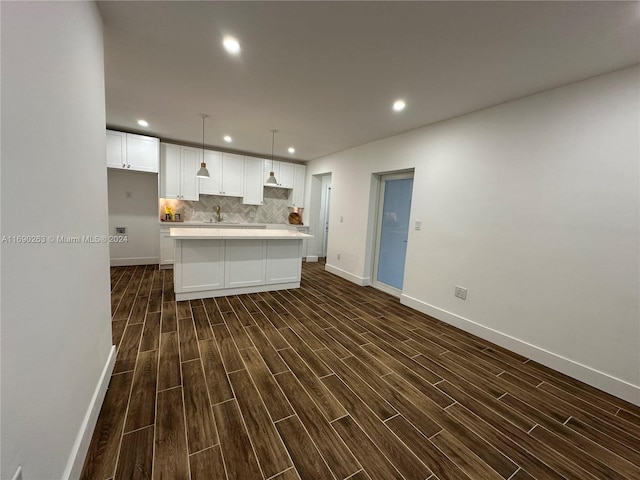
(178, 169)
(283, 172)
(190, 159)
(253, 181)
(232, 174)
(116, 149)
(296, 199)
(213, 184)
(132, 152)
(226, 174)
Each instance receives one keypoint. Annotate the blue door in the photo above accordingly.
(394, 229)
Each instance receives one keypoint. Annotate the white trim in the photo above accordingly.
(223, 292)
(595, 378)
(125, 262)
(362, 281)
(81, 445)
(383, 287)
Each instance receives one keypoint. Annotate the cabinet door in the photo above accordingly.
(244, 263)
(199, 265)
(253, 181)
(142, 153)
(116, 149)
(285, 178)
(190, 159)
(282, 265)
(267, 170)
(232, 175)
(166, 247)
(296, 199)
(169, 171)
(213, 184)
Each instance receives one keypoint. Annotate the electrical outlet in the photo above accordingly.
(338, 255)
(341, 219)
(252, 214)
(418, 224)
(461, 292)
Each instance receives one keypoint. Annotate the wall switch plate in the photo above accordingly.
(341, 219)
(338, 255)
(121, 230)
(461, 292)
(418, 224)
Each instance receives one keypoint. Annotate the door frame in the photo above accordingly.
(379, 208)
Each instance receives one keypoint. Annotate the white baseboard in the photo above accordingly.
(311, 258)
(125, 262)
(595, 378)
(362, 281)
(81, 445)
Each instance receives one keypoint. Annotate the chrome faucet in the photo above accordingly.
(218, 216)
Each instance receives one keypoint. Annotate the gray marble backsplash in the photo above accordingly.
(273, 210)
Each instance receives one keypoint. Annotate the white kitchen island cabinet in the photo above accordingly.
(214, 262)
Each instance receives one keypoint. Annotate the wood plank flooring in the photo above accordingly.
(336, 381)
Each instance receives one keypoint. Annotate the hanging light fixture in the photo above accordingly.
(203, 172)
(272, 176)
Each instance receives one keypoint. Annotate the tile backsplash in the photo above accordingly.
(274, 208)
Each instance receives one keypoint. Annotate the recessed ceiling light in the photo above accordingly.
(292, 150)
(231, 45)
(228, 139)
(143, 123)
(399, 105)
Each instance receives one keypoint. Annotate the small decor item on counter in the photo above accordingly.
(295, 218)
(177, 217)
(168, 213)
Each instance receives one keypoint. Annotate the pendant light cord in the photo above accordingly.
(203, 117)
(273, 141)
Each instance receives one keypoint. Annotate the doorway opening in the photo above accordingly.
(320, 208)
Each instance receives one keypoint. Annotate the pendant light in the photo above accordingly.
(272, 176)
(203, 172)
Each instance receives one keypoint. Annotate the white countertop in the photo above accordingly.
(211, 224)
(236, 234)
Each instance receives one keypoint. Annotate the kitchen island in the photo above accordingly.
(214, 262)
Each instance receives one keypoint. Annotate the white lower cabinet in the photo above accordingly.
(166, 248)
(201, 266)
(168, 244)
(244, 263)
(303, 229)
(283, 261)
(206, 268)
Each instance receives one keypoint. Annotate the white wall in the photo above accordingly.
(56, 330)
(534, 206)
(133, 203)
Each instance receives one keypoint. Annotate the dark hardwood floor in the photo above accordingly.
(338, 381)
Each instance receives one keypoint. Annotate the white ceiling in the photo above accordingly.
(326, 73)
